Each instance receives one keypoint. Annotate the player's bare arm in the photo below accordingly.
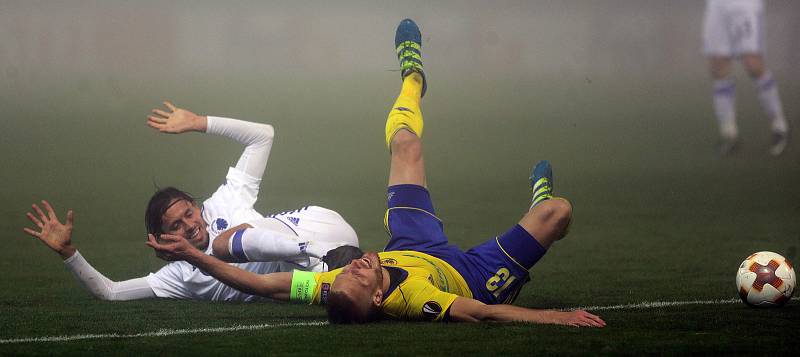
(176, 120)
(54, 234)
(471, 310)
(220, 244)
(275, 285)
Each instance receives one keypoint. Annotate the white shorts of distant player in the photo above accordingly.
(733, 27)
(311, 224)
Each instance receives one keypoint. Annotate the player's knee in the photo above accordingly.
(720, 67)
(754, 65)
(558, 215)
(407, 145)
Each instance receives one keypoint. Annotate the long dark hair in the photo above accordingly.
(161, 201)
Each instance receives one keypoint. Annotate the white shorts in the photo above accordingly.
(733, 27)
(313, 224)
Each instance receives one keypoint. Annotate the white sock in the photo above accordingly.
(264, 245)
(725, 107)
(771, 102)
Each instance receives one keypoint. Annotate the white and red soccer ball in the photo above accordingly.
(765, 279)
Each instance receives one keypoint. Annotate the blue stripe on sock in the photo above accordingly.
(727, 90)
(236, 245)
(767, 85)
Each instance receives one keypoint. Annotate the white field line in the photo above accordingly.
(161, 332)
(174, 332)
(659, 304)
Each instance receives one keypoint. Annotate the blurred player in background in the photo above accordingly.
(226, 225)
(419, 276)
(735, 29)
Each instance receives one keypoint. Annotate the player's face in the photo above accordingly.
(183, 219)
(361, 278)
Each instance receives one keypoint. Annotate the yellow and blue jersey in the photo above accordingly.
(422, 287)
(426, 273)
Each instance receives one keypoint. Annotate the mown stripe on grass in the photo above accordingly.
(173, 332)
(659, 304)
(161, 332)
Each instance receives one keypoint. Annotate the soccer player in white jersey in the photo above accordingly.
(735, 29)
(226, 224)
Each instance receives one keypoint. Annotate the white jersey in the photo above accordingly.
(230, 206)
(733, 27)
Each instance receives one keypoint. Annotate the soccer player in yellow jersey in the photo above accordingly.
(419, 276)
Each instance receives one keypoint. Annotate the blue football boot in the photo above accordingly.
(408, 44)
(541, 182)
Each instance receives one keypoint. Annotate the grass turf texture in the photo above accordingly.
(657, 216)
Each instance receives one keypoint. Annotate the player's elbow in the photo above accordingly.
(219, 248)
(267, 132)
(106, 295)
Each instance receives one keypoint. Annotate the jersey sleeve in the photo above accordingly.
(419, 300)
(256, 137)
(324, 281)
(104, 288)
(167, 282)
(239, 190)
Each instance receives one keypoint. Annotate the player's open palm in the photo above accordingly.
(53, 233)
(581, 318)
(176, 120)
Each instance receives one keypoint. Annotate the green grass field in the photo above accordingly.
(657, 216)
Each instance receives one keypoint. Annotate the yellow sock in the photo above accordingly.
(405, 113)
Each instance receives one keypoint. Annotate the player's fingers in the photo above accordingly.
(591, 316)
(35, 220)
(155, 125)
(152, 243)
(32, 232)
(171, 238)
(170, 105)
(597, 319)
(50, 212)
(39, 211)
(70, 218)
(161, 113)
(155, 119)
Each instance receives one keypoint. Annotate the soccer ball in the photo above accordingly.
(765, 279)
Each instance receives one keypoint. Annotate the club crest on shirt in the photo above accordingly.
(219, 225)
(431, 310)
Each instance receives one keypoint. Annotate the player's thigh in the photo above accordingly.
(314, 223)
(716, 38)
(501, 264)
(411, 220)
(746, 28)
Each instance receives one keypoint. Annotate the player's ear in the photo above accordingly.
(377, 298)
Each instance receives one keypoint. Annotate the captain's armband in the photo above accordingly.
(303, 285)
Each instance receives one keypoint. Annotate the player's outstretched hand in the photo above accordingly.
(581, 318)
(56, 235)
(170, 247)
(176, 120)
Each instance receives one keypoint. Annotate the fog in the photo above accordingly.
(43, 41)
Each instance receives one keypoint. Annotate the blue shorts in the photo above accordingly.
(494, 270)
